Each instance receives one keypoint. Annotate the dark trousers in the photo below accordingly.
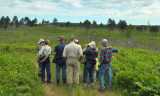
(58, 68)
(89, 70)
(46, 66)
(39, 65)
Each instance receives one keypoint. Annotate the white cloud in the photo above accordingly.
(138, 9)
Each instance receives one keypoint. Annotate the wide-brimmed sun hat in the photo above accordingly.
(40, 41)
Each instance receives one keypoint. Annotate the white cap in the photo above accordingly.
(40, 40)
(92, 45)
(105, 41)
(76, 41)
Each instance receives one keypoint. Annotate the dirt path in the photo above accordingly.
(53, 90)
(47, 87)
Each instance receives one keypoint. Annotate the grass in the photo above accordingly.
(17, 76)
(131, 65)
(53, 90)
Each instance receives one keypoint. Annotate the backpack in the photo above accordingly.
(92, 59)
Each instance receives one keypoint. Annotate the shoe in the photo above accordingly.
(92, 86)
(39, 75)
(63, 84)
(43, 82)
(70, 86)
(108, 88)
(49, 82)
(64, 81)
(76, 85)
(85, 85)
(57, 84)
(102, 90)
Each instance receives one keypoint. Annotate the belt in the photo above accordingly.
(72, 58)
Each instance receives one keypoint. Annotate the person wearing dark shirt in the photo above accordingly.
(89, 64)
(105, 64)
(59, 60)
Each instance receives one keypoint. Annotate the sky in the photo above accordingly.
(135, 12)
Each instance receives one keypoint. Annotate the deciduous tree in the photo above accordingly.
(111, 25)
(7, 21)
(87, 25)
(68, 24)
(55, 22)
(122, 26)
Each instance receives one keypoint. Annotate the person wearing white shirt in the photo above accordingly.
(44, 55)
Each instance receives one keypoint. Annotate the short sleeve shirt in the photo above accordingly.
(45, 50)
(72, 50)
(106, 53)
(59, 50)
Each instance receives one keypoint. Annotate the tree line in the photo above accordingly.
(5, 22)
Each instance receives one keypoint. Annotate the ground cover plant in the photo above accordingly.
(17, 76)
(135, 71)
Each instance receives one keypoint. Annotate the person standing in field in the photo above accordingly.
(77, 42)
(89, 64)
(44, 55)
(105, 64)
(39, 46)
(95, 74)
(59, 60)
(71, 54)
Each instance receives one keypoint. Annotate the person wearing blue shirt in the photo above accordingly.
(59, 60)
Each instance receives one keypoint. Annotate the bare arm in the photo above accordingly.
(45, 58)
(54, 53)
(115, 54)
(85, 48)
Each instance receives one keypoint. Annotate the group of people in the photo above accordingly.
(68, 57)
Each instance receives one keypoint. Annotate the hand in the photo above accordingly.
(113, 57)
(42, 61)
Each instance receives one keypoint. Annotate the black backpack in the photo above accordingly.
(92, 56)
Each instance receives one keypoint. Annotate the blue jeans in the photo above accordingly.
(58, 68)
(89, 70)
(103, 68)
(48, 69)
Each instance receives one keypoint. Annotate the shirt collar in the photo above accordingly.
(72, 42)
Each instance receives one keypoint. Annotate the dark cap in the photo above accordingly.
(61, 38)
(72, 38)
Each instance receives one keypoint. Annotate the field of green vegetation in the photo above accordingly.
(17, 76)
(135, 72)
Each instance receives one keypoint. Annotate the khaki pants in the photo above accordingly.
(79, 70)
(73, 66)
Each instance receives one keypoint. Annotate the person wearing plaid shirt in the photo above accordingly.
(105, 64)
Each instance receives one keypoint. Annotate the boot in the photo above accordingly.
(85, 85)
(70, 86)
(57, 83)
(92, 85)
(64, 82)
